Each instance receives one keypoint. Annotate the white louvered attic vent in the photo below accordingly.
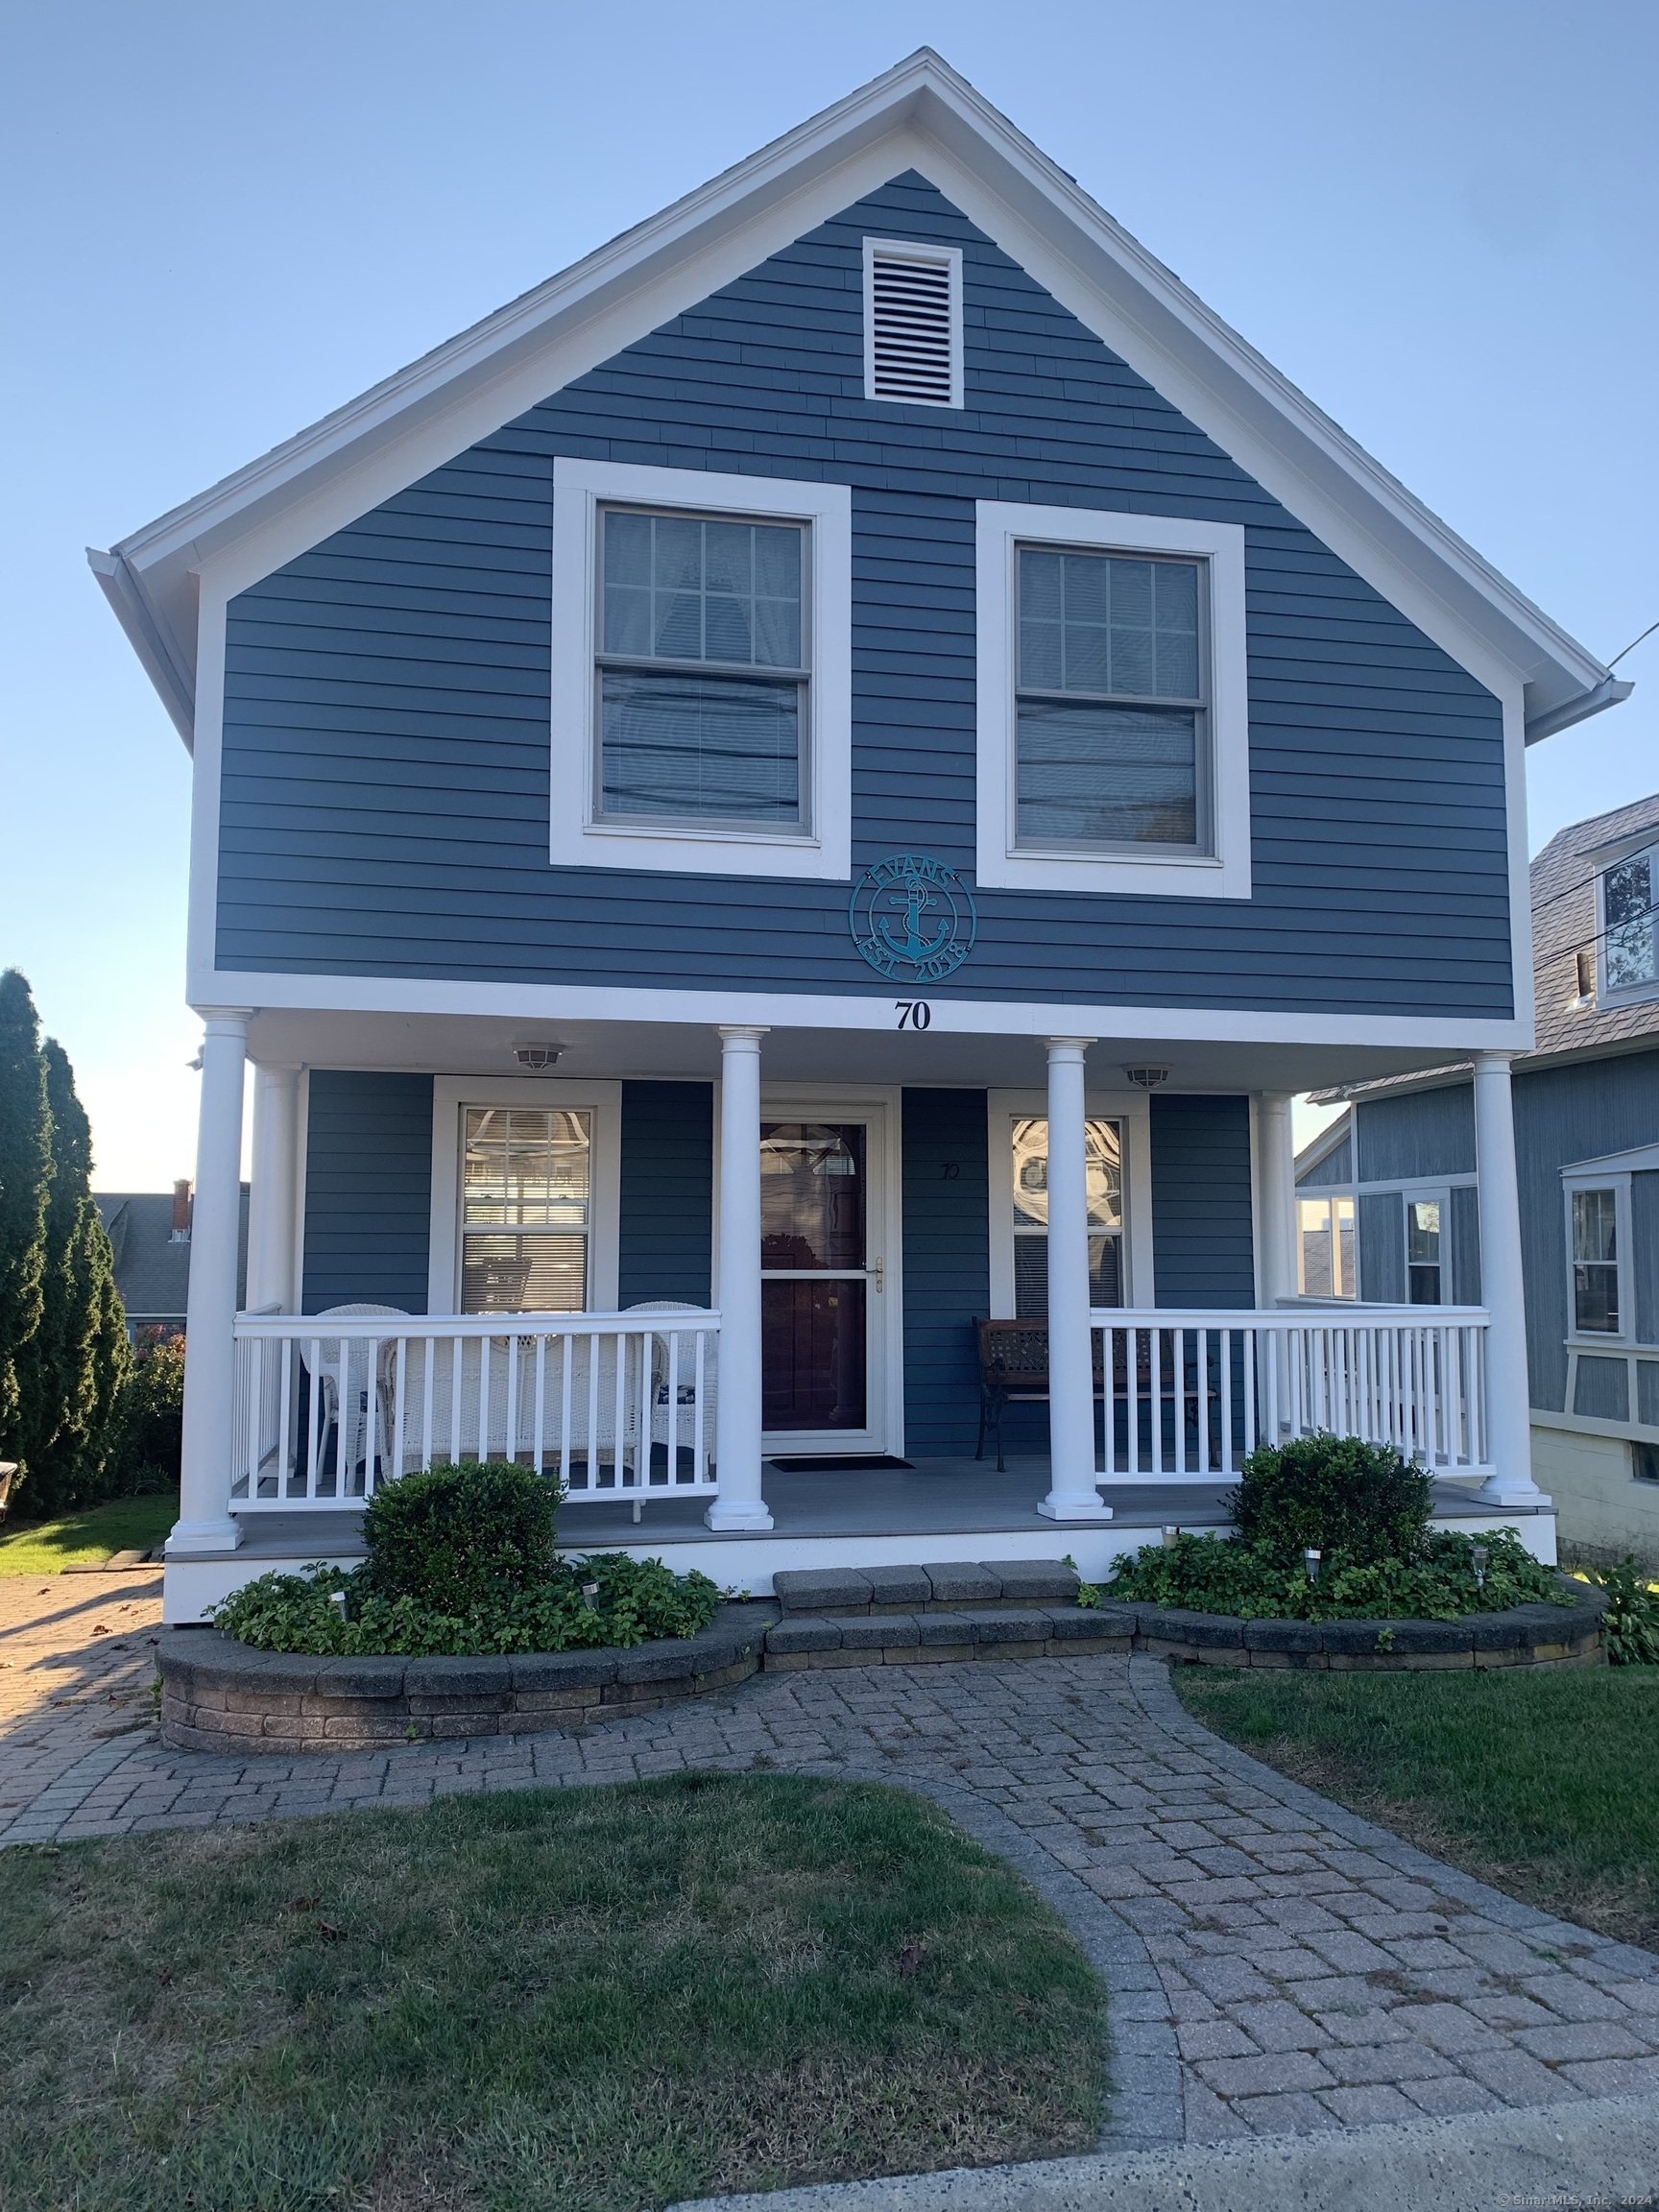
(912, 323)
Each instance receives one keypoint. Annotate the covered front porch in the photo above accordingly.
(790, 1291)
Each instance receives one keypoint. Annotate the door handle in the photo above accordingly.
(877, 1270)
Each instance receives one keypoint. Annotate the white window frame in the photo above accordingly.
(1002, 527)
(1627, 848)
(603, 1101)
(1331, 1194)
(578, 839)
(947, 257)
(1132, 1110)
(1617, 1181)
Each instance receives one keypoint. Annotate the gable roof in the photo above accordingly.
(920, 115)
(1563, 894)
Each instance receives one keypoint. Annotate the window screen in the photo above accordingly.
(702, 669)
(526, 1177)
(1103, 1169)
(1627, 905)
(1111, 720)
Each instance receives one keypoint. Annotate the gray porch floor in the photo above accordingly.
(934, 1497)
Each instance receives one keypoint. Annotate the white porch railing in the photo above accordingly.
(329, 1405)
(1191, 1394)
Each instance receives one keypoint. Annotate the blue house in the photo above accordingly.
(820, 779)
(1388, 1198)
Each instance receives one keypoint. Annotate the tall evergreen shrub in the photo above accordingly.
(72, 1370)
(25, 1179)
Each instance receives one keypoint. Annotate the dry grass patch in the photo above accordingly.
(582, 2001)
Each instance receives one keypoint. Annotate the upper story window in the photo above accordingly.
(912, 323)
(1111, 746)
(1114, 746)
(1629, 922)
(1103, 1173)
(525, 1191)
(702, 672)
(692, 609)
(1595, 1229)
(1324, 1250)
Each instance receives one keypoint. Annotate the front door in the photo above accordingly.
(824, 1279)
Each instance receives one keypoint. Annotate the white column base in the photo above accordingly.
(189, 1539)
(735, 1519)
(1074, 1505)
(1510, 1496)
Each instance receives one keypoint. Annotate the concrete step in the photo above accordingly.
(948, 1635)
(986, 1585)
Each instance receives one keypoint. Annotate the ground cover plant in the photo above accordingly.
(1362, 1511)
(84, 1539)
(585, 2001)
(461, 1560)
(1630, 1624)
(1539, 1782)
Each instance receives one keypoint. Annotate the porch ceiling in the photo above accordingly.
(482, 1044)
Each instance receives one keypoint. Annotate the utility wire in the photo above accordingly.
(1634, 643)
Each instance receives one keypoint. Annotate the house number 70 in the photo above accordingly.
(913, 1013)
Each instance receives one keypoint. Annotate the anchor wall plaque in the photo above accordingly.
(913, 917)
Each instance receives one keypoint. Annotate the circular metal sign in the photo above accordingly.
(912, 918)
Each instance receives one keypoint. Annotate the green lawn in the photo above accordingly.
(587, 2000)
(124, 1524)
(1544, 1784)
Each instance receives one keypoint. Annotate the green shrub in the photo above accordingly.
(636, 1601)
(1360, 1505)
(453, 1538)
(1630, 1624)
(148, 1427)
(1226, 1574)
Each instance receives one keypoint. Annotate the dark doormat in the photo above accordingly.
(853, 1463)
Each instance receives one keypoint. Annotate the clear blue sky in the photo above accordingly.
(1440, 219)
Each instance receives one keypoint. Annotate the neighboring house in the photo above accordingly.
(824, 776)
(1403, 1160)
(149, 1233)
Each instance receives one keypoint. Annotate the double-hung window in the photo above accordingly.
(1425, 1250)
(704, 709)
(1630, 922)
(1111, 715)
(526, 1185)
(1103, 1184)
(1595, 1229)
(1324, 1250)
(1113, 712)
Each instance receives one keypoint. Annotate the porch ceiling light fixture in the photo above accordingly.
(536, 1057)
(1147, 1078)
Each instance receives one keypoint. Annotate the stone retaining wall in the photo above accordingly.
(222, 1695)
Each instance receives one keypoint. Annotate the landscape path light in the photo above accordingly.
(1310, 1561)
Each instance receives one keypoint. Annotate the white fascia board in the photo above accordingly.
(1642, 1160)
(920, 114)
(802, 1010)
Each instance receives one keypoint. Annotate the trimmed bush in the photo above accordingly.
(452, 1538)
(1360, 1505)
(148, 1430)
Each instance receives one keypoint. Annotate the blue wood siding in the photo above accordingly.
(1414, 1139)
(1335, 1171)
(386, 770)
(1564, 1115)
(947, 1268)
(367, 1190)
(665, 1239)
(1202, 1249)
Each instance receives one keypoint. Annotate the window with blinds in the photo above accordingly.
(525, 1183)
(912, 323)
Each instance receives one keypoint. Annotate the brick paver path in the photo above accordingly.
(1299, 1968)
(76, 1659)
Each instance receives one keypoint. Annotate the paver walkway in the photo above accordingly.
(1287, 1965)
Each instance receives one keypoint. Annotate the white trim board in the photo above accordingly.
(1223, 871)
(576, 839)
(603, 1099)
(922, 115)
(809, 1010)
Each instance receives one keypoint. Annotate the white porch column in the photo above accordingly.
(272, 1201)
(1276, 1210)
(1508, 1395)
(205, 1522)
(740, 1503)
(1073, 1495)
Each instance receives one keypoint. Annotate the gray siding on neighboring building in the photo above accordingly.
(367, 1190)
(1419, 1136)
(1335, 1171)
(1203, 1252)
(1644, 1256)
(1383, 1247)
(1562, 1115)
(947, 1272)
(665, 1236)
(386, 794)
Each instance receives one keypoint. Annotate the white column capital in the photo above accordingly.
(740, 1036)
(1063, 1049)
(1490, 1062)
(225, 1021)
